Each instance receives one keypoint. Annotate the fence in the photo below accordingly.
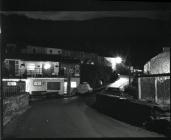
(154, 88)
(13, 88)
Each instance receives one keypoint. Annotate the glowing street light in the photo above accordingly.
(118, 60)
(114, 61)
(47, 66)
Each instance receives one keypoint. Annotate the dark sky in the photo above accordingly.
(134, 35)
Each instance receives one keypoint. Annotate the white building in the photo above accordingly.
(159, 64)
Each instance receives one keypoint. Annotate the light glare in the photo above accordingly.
(47, 66)
(73, 84)
(118, 60)
(114, 61)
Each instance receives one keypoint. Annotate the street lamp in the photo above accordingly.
(114, 61)
(118, 60)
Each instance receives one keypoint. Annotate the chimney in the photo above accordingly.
(166, 49)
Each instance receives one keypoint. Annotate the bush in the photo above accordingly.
(94, 73)
(132, 91)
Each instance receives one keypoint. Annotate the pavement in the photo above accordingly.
(69, 118)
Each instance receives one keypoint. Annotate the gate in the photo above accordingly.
(154, 88)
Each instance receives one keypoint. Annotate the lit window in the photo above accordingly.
(31, 67)
(73, 84)
(11, 83)
(37, 83)
(92, 63)
(65, 87)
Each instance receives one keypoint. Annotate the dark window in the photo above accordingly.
(53, 86)
(50, 51)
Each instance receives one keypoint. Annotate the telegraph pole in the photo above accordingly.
(70, 71)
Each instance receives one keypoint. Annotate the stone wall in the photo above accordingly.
(158, 64)
(13, 106)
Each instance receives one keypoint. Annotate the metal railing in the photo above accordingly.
(9, 91)
(38, 72)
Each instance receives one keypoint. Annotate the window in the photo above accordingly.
(37, 83)
(53, 86)
(31, 67)
(22, 65)
(73, 84)
(50, 51)
(11, 83)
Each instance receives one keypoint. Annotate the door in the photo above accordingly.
(11, 67)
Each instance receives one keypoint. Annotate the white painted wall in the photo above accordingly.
(30, 84)
(73, 79)
(158, 64)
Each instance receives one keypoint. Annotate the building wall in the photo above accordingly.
(33, 50)
(73, 69)
(158, 64)
(53, 51)
(39, 67)
(13, 106)
(42, 86)
(157, 89)
(74, 80)
(83, 56)
(21, 67)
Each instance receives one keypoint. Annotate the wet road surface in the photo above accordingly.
(69, 117)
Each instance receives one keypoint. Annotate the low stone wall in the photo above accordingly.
(123, 109)
(136, 112)
(13, 106)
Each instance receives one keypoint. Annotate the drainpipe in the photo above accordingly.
(69, 84)
(156, 98)
(139, 88)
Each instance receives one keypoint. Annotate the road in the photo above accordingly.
(69, 117)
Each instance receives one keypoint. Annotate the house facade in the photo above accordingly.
(39, 67)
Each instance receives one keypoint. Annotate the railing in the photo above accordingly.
(37, 74)
(154, 88)
(13, 90)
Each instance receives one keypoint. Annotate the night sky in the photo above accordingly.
(135, 38)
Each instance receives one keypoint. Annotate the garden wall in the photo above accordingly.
(13, 106)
